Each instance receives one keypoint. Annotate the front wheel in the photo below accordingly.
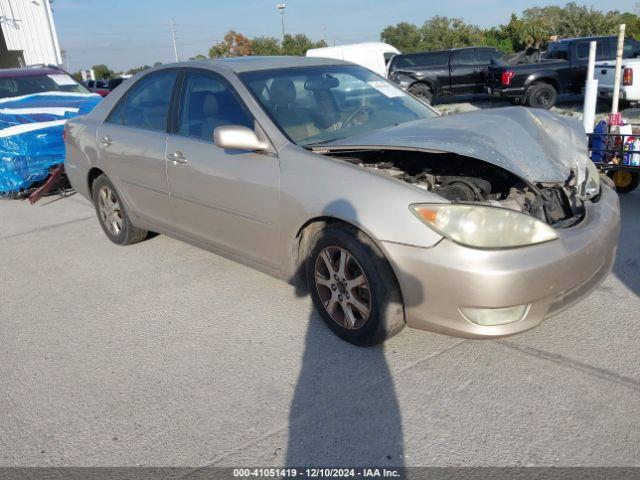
(423, 92)
(625, 181)
(353, 287)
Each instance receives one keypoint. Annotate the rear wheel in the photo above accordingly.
(112, 215)
(542, 95)
(422, 91)
(353, 287)
(625, 180)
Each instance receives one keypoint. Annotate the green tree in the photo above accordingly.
(298, 44)
(441, 33)
(497, 38)
(633, 24)
(135, 70)
(404, 36)
(266, 46)
(572, 20)
(102, 72)
(198, 57)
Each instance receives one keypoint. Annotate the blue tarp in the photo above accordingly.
(31, 135)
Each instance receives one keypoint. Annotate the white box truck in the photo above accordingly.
(372, 55)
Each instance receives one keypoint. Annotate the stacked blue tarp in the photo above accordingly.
(31, 135)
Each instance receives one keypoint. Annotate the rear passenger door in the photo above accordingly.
(486, 57)
(227, 199)
(132, 144)
(464, 71)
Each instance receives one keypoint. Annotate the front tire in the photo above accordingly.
(542, 95)
(112, 215)
(423, 92)
(353, 286)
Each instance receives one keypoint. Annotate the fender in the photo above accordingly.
(548, 76)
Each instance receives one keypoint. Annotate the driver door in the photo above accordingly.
(227, 199)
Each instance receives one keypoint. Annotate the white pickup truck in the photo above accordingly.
(629, 80)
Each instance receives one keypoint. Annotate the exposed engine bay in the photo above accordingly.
(461, 179)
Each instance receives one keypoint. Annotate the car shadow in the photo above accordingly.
(344, 410)
(627, 264)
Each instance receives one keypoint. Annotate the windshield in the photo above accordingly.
(314, 105)
(26, 85)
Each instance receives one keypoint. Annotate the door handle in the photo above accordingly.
(106, 141)
(177, 157)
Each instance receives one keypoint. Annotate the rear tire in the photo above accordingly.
(542, 95)
(625, 181)
(353, 286)
(422, 91)
(112, 215)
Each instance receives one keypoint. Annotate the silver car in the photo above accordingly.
(317, 171)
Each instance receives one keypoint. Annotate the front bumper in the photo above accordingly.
(549, 277)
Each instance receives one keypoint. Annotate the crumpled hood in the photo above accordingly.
(536, 145)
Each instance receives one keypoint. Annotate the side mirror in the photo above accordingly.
(236, 137)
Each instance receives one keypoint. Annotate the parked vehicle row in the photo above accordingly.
(477, 225)
(103, 87)
(561, 70)
(438, 75)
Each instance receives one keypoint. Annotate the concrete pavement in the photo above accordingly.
(164, 354)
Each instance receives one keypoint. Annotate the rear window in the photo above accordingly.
(427, 59)
(41, 83)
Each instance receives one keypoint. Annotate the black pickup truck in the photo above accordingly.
(446, 73)
(562, 69)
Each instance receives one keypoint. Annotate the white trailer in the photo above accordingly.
(372, 55)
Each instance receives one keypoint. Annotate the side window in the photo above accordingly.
(631, 48)
(582, 51)
(146, 104)
(464, 57)
(487, 55)
(208, 102)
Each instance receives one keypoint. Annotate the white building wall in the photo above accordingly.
(28, 25)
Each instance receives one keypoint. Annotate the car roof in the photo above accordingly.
(596, 37)
(253, 64)
(29, 72)
(426, 52)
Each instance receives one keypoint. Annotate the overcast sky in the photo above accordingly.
(128, 33)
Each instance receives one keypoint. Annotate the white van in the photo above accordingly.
(372, 55)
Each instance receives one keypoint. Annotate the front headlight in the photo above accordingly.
(484, 227)
(592, 185)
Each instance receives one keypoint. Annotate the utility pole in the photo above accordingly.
(281, 7)
(173, 38)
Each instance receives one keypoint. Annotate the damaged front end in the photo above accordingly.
(532, 162)
(465, 180)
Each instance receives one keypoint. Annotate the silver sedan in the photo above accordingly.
(319, 172)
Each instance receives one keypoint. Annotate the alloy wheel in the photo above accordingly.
(110, 210)
(343, 287)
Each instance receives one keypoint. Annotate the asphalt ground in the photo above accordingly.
(164, 354)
